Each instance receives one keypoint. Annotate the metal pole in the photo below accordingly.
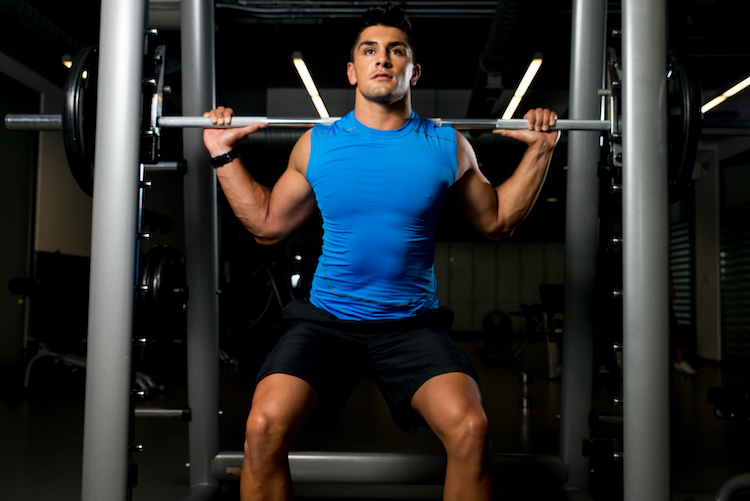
(113, 252)
(201, 248)
(581, 238)
(645, 252)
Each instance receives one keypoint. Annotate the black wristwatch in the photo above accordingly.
(225, 158)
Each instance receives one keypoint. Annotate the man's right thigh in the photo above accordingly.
(284, 401)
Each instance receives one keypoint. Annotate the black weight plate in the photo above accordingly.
(144, 300)
(684, 125)
(79, 117)
(162, 268)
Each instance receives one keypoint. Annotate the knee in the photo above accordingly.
(264, 435)
(469, 436)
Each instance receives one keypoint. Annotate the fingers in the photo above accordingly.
(537, 130)
(540, 119)
(222, 139)
(220, 115)
(223, 116)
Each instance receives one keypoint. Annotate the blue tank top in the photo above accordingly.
(379, 193)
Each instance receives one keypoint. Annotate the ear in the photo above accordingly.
(415, 74)
(350, 74)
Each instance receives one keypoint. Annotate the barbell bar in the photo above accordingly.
(54, 122)
(42, 122)
(458, 123)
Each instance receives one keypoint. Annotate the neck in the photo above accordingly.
(382, 115)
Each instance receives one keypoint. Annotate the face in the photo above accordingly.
(383, 68)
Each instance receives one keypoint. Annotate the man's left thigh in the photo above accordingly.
(445, 401)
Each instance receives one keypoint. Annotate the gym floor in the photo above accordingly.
(41, 428)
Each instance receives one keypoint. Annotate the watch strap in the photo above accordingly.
(225, 158)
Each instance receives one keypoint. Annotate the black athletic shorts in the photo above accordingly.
(332, 355)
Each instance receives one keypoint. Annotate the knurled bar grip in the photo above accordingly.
(54, 122)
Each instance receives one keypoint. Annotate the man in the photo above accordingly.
(378, 176)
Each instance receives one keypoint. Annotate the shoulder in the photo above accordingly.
(343, 124)
(301, 153)
(318, 135)
(466, 157)
(443, 137)
(427, 125)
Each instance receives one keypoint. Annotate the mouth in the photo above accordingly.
(381, 76)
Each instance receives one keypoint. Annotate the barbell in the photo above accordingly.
(55, 123)
(78, 120)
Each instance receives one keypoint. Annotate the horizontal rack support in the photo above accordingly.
(397, 468)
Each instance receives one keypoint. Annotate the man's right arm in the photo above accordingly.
(270, 215)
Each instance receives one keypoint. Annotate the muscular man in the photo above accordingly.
(378, 177)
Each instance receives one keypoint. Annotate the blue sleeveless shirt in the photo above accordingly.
(379, 193)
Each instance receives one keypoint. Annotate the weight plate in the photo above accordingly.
(162, 268)
(79, 117)
(684, 125)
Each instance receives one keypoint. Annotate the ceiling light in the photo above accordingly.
(304, 74)
(727, 94)
(66, 60)
(528, 77)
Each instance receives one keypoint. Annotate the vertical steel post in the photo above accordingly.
(113, 251)
(201, 247)
(581, 237)
(645, 252)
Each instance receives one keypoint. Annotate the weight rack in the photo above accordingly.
(646, 397)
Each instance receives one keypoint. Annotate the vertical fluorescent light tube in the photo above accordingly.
(528, 77)
(304, 74)
(729, 93)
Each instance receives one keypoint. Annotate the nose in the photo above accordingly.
(384, 60)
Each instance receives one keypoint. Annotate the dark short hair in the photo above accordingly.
(387, 14)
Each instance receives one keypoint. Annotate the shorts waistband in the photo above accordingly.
(301, 310)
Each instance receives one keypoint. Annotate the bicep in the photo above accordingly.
(291, 195)
(478, 198)
(292, 199)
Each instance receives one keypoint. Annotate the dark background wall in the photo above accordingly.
(16, 206)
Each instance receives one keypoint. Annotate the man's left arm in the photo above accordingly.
(496, 211)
